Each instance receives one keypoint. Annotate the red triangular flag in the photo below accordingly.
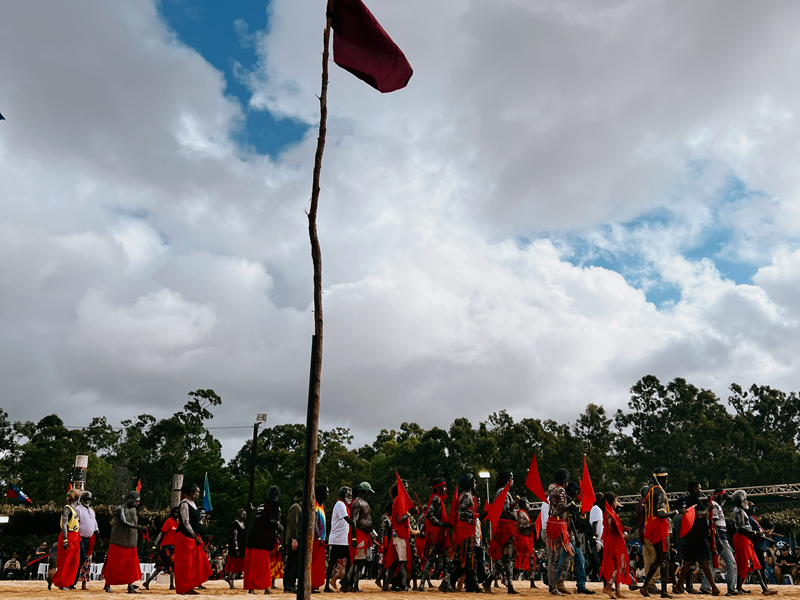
(687, 521)
(587, 491)
(139, 486)
(537, 526)
(69, 486)
(453, 516)
(533, 482)
(361, 46)
(493, 516)
(404, 500)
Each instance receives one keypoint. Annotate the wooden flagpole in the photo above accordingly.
(312, 424)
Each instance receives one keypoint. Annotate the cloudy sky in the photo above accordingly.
(566, 197)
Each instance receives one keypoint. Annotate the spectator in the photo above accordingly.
(786, 564)
(13, 568)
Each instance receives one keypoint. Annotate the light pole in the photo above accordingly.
(260, 418)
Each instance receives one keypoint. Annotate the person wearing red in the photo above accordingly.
(69, 543)
(746, 556)
(524, 557)
(615, 568)
(436, 539)
(658, 517)
(122, 561)
(192, 568)
(501, 546)
(165, 542)
(90, 533)
(398, 550)
(263, 539)
(234, 564)
(558, 533)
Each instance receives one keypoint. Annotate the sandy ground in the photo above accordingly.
(38, 589)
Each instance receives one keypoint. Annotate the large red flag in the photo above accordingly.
(361, 46)
(587, 491)
(493, 516)
(453, 517)
(404, 500)
(687, 521)
(533, 482)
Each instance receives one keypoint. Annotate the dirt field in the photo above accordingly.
(38, 589)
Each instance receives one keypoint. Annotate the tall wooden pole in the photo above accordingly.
(312, 425)
(177, 484)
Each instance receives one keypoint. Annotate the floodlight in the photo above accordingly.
(484, 474)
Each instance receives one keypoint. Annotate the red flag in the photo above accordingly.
(587, 491)
(69, 486)
(493, 516)
(404, 500)
(538, 526)
(533, 482)
(139, 486)
(453, 517)
(687, 521)
(361, 46)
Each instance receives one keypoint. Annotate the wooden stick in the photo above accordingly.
(316, 257)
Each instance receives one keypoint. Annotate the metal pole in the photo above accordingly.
(306, 541)
(252, 468)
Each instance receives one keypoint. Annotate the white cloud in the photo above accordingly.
(143, 254)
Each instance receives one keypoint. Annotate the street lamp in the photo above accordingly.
(485, 475)
(260, 418)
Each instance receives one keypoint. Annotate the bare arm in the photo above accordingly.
(123, 521)
(66, 514)
(184, 511)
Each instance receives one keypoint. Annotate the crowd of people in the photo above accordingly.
(462, 542)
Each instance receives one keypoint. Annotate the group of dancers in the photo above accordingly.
(446, 543)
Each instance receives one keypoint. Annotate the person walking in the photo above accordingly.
(69, 544)
(122, 561)
(192, 568)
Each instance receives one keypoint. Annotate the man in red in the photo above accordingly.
(501, 547)
(69, 543)
(398, 551)
(436, 539)
(558, 532)
(656, 529)
(122, 560)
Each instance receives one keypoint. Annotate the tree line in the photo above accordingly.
(749, 438)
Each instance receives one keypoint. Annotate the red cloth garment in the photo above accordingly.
(557, 528)
(391, 553)
(68, 561)
(463, 531)
(235, 564)
(169, 528)
(90, 545)
(615, 551)
(656, 530)
(276, 563)
(522, 552)
(318, 564)
(745, 553)
(361, 46)
(257, 569)
(505, 531)
(191, 564)
(122, 565)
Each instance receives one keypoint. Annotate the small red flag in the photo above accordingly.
(533, 482)
(587, 491)
(538, 526)
(139, 486)
(493, 516)
(687, 521)
(69, 486)
(453, 516)
(361, 46)
(404, 500)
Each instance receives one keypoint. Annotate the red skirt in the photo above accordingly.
(318, 564)
(505, 531)
(656, 530)
(276, 563)
(557, 529)
(68, 560)
(234, 564)
(523, 549)
(122, 565)
(745, 552)
(191, 564)
(257, 569)
(615, 560)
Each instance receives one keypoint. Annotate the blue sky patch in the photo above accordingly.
(208, 27)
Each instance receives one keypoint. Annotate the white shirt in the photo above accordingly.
(596, 516)
(339, 527)
(718, 515)
(88, 521)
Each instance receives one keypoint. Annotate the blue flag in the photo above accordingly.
(207, 497)
(16, 493)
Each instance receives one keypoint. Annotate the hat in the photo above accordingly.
(364, 486)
